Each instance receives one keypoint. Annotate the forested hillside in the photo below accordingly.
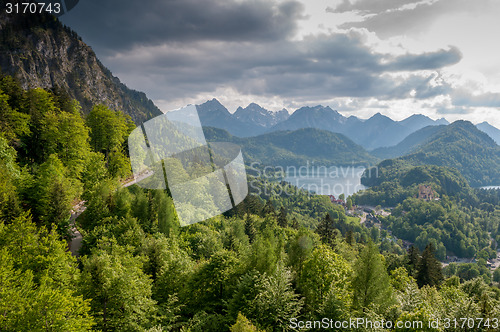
(462, 146)
(278, 259)
(457, 220)
(296, 148)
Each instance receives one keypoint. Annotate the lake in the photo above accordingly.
(333, 180)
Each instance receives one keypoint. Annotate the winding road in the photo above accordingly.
(75, 243)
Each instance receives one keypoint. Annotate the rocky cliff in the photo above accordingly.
(40, 52)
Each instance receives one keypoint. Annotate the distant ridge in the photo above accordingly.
(409, 144)
(255, 114)
(493, 132)
(296, 148)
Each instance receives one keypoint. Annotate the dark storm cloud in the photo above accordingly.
(388, 21)
(428, 60)
(327, 66)
(112, 25)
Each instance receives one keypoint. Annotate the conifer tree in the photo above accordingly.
(429, 268)
(282, 218)
(349, 237)
(325, 230)
(250, 228)
(413, 261)
(268, 209)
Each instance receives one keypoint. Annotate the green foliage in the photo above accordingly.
(471, 153)
(468, 271)
(287, 148)
(211, 282)
(429, 270)
(9, 174)
(119, 289)
(496, 275)
(243, 325)
(51, 194)
(326, 230)
(38, 281)
(392, 181)
(448, 225)
(371, 284)
(13, 124)
(108, 132)
(461, 145)
(325, 274)
(268, 300)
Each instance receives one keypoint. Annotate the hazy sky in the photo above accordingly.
(440, 58)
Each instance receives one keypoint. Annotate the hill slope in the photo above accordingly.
(409, 144)
(493, 132)
(41, 53)
(462, 146)
(296, 148)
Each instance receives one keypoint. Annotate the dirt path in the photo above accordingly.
(363, 218)
(75, 243)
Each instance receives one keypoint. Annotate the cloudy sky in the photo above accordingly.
(440, 58)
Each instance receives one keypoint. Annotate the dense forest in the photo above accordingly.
(280, 258)
(460, 221)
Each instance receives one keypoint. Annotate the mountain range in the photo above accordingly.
(375, 133)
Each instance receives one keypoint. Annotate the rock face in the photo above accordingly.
(259, 116)
(213, 114)
(42, 53)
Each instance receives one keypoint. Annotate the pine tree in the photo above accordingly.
(325, 230)
(268, 209)
(429, 269)
(413, 261)
(349, 237)
(250, 228)
(282, 218)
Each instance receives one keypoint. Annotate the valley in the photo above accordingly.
(346, 217)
